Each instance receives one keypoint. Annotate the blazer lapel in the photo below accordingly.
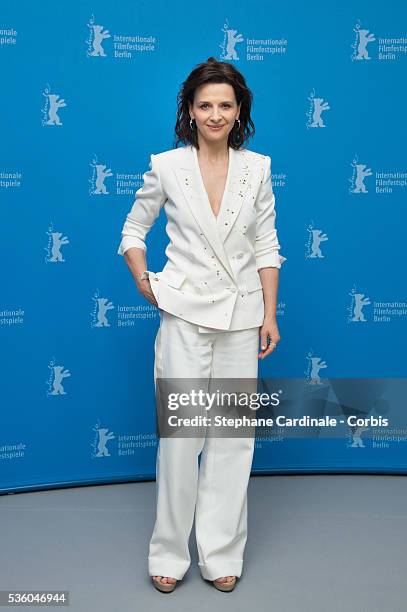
(190, 180)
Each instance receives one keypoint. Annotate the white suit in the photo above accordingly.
(211, 307)
(211, 276)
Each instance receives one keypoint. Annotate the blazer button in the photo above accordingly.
(239, 255)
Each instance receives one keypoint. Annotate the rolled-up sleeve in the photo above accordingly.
(149, 200)
(266, 246)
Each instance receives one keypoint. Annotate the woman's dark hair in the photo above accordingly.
(213, 71)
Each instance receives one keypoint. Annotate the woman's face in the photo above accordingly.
(214, 105)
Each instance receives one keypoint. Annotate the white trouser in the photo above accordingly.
(216, 490)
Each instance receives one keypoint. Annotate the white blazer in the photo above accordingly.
(211, 274)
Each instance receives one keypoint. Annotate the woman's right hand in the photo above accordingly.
(145, 289)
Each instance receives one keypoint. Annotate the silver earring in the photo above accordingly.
(239, 122)
(190, 122)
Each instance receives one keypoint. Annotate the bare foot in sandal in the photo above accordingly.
(165, 579)
(226, 579)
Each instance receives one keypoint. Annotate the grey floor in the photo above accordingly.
(316, 543)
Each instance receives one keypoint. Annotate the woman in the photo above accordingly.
(217, 297)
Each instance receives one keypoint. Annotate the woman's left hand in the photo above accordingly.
(269, 329)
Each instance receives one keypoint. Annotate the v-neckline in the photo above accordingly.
(195, 151)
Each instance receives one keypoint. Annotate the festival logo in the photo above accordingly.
(123, 183)
(386, 181)
(362, 38)
(127, 444)
(355, 437)
(100, 308)
(53, 102)
(313, 242)
(382, 311)
(314, 365)
(101, 43)
(53, 249)
(389, 48)
(355, 309)
(316, 108)
(56, 376)
(97, 34)
(255, 49)
(357, 179)
(101, 438)
(100, 172)
(230, 40)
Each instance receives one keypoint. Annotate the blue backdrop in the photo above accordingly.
(88, 92)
